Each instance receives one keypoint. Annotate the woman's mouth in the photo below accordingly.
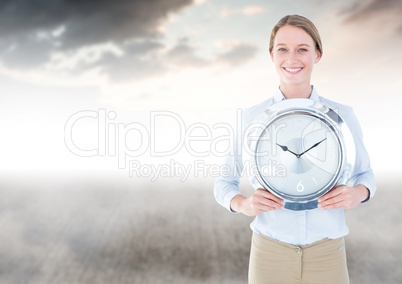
(293, 70)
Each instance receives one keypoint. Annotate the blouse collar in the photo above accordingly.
(280, 97)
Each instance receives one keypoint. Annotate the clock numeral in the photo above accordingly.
(300, 187)
(331, 154)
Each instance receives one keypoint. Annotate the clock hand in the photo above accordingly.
(315, 145)
(284, 148)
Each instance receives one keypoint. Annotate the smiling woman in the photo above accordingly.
(307, 245)
(295, 46)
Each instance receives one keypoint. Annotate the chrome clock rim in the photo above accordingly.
(325, 114)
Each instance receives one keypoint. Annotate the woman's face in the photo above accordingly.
(294, 55)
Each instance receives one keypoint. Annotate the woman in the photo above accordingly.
(297, 246)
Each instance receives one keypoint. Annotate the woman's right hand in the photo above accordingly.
(260, 201)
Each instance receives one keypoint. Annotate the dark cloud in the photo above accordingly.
(360, 9)
(31, 31)
(140, 60)
(86, 22)
(366, 11)
(27, 51)
(150, 58)
(399, 30)
(185, 55)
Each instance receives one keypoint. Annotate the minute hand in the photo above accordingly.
(315, 145)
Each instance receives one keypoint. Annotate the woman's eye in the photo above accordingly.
(282, 49)
(302, 50)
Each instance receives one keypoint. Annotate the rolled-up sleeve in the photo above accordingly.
(362, 173)
(227, 185)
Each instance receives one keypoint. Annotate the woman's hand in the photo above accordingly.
(343, 197)
(260, 201)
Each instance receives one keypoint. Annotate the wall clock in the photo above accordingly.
(300, 149)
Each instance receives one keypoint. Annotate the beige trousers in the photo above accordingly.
(323, 262)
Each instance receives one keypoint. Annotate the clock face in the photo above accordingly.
(299, 155)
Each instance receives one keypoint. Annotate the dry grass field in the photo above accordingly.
(109, 230)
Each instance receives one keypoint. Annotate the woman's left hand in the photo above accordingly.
(343, 197)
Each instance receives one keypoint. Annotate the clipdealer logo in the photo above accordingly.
(115, 139)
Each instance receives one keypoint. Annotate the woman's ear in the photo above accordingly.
(318, 57)
(272, 55)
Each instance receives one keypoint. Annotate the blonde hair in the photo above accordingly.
(300, 22)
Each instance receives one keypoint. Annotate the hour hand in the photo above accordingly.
(285, 148)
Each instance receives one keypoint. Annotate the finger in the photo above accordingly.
(331, 201)
(332, 193)
(271, 196)
(266, 201)
(272, 203)
(265, 208)
(335, 205)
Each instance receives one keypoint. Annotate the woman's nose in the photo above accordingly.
(292, 57)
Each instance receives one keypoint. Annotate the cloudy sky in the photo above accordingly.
(74, 71)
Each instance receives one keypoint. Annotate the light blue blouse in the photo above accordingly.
(297, 227)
